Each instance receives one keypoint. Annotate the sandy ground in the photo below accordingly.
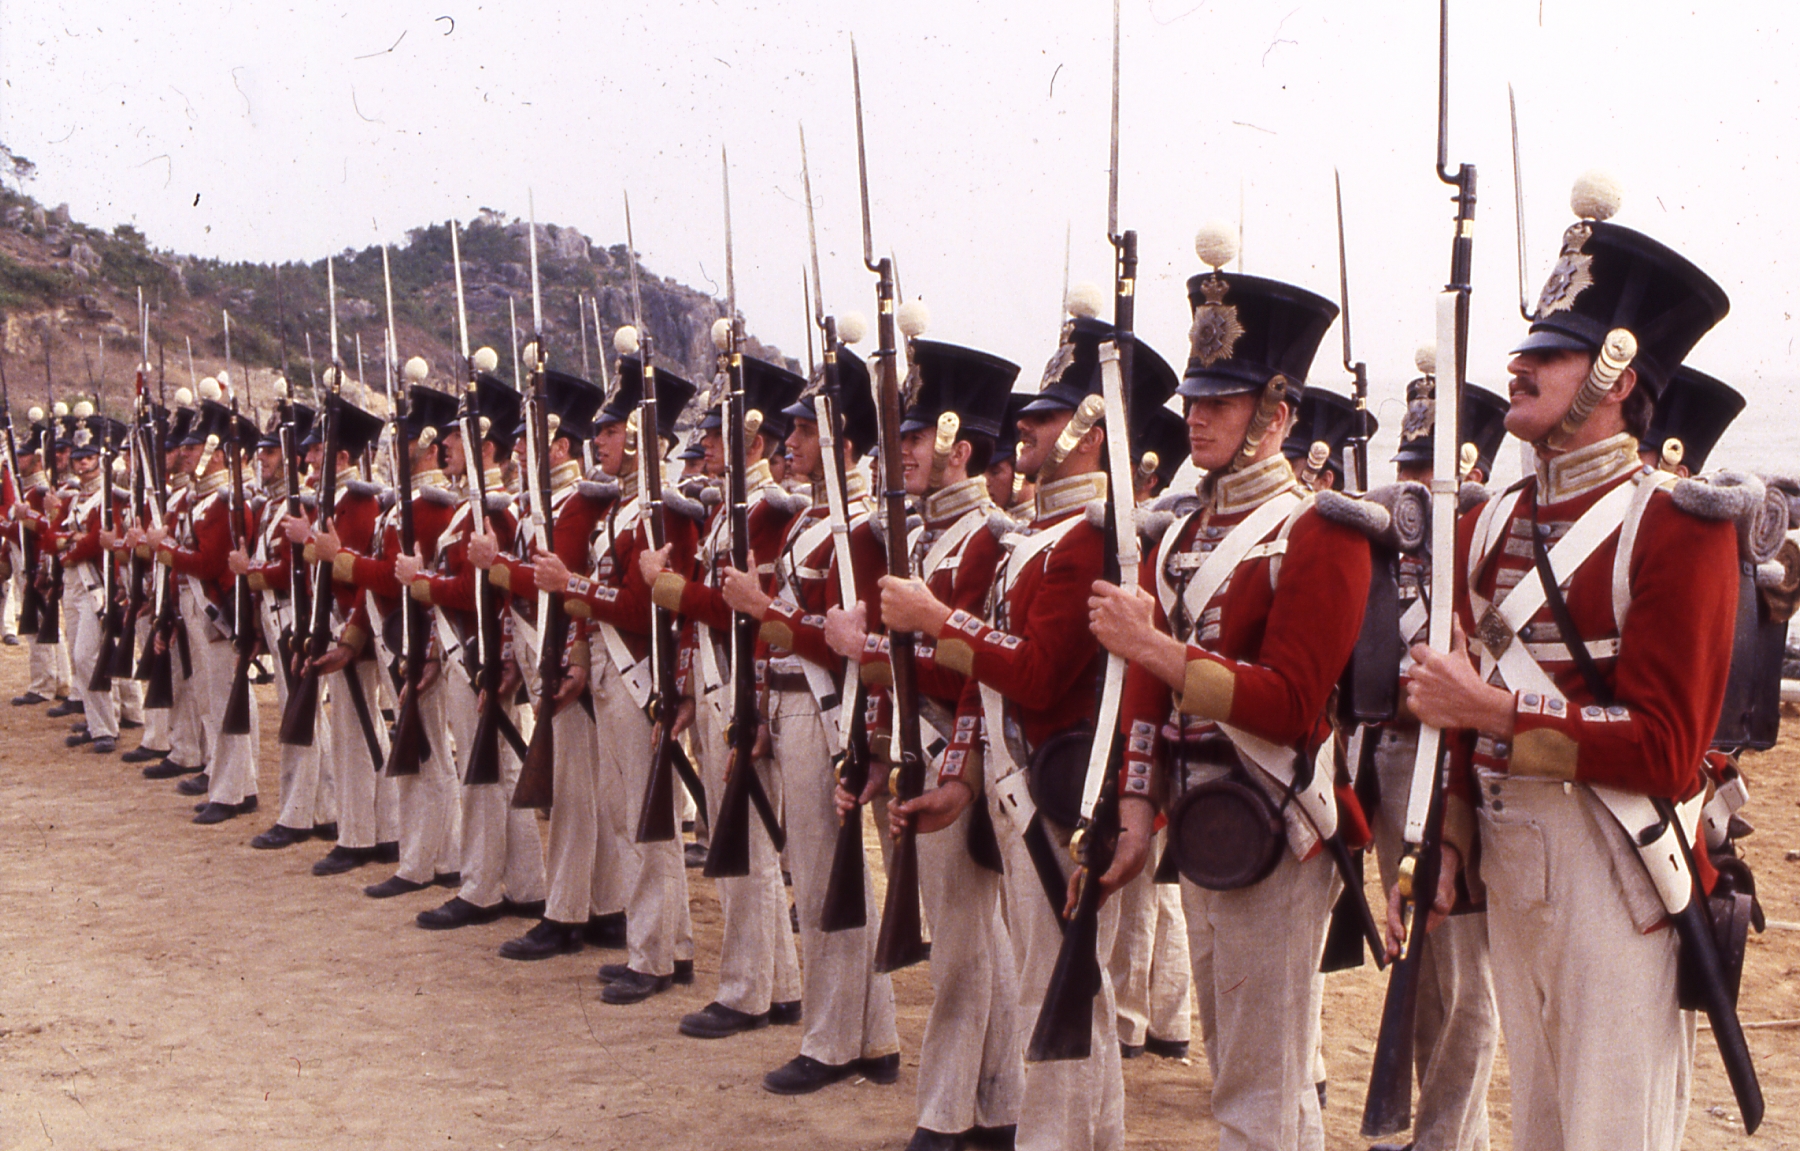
(164, 985)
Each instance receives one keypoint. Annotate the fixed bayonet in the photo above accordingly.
(1359, 372)
(1512, 109)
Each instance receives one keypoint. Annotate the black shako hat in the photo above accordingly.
(950, 378)
(1609, 277)
(1165, 433)
(1695, 410)
(1073, 372)
(858, 399)
(427, 408)
(1247, 330)
(216, 419)
(356, 429)
(672, 396)
(1006, 445)
(769, 389)
(304, 415)
(573, 401)
(1480, 418)
(1327, 418)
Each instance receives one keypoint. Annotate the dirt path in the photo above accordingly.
(163, 985)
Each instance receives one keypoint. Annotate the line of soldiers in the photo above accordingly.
(1273, 616)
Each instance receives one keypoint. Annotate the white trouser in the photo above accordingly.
(758, 965)
(1457, 1027)
(847, 1008)
(187, 729)
(430, 818)
(1152, 976)
(128, 695)
(502, 855)
(366, 798)
(231, 759)
(49, 668)
(658, 926)
(1073, 1104)
(1256, 955)
(970, 1072)
(1600, 1054)
(580, 831)
(308, 796)
(84, 632)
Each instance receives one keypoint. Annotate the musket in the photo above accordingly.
(728, 850)
(50, 610)
(536, 778)
(409, 745)
(29, 606)
(1359, 371)
(300, 720)
(236, 720)
(901, 941)
(157, 668)
(581, 322)
(124, 661)
(600, 342)
(483, 764)
(1064, 1028)
(1512, 110)
(101, 678)
(846, 887)
(1388, 1106)
(299, 594)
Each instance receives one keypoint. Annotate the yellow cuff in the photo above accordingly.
(666, 589)
(343, 567)
(421, 590)
(500, 576)
(353, 638)
(776, 633)
(577, 608)
(258, 581)
(881, 746)
(956, 654)
(142, 551)
(310, 554)
(879, 673)
(165, 558)
(579, 654)
(1545, 753)
(1208, 689)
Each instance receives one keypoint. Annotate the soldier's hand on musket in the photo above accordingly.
(337, 659)
(653, 563)
(155, 534)
(551, 574)
(1448, 869)
(575, 680)
(238, 562)
(1123, 619)
(159, 642)
(684, 717)
(743, 593)
(108, 540)
(484, 549)
(326, 544)
(908, 605)
(1446, 691)
(428, 674)
(510, 679)
(135, 536)
(1136, 819)
(847, 632)
(53, 505)
(407, 566)
(932, 811)
(763, 744)
(297, 530)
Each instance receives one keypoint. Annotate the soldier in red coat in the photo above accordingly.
(1566, 734)
(78, 537)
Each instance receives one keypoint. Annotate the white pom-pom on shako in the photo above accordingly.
(852, 327)
(281, 386)
(225, 383)
(721, 333)
(416, 370)
(1425, 359)
(83, 410)
(625, 340)
(59, 409)
(1216, 243)
(35, 414)
(210, 390)
(329, 377)
(486, 359)
(1085, 300)
(913, 318)
(528, 355)
(1596, 195)
(184, 398)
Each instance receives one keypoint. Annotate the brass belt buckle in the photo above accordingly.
(1494, 633)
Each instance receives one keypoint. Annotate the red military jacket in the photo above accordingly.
(207, 541)
(1271, 642)
(433, 504)
(270, 559)
(1037, 652)
(698, 597)
(450, 582)
(805, 581)
(617, 594)
(1668, 673)
(577, 508)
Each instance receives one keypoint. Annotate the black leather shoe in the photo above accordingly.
(634, 987)
(456, 912)
(29, 699)
(1321, 1085)
(879, 1069)
(785, 1014)
(78, 727)
(68, 707)
(802, 1075)
(105, 745)
(325, 831)
(10, 639)
(548, 938)
(717, 1021)
(1005, 1138)
(694, 855)
(279, 836)
(142, 754)
(169, 769)
(1166, 1048)
(77, 739)
(606, 931)
(447, 879)
(684, 972)
(391, 886)
(611, 971)
(388, 852)
(341, 859)
(129, 724)
(216, 813)
(194, 785)
(1390, 1147)
(1130, 1050)
(248, 806)
(526, 909)
(927, 1140)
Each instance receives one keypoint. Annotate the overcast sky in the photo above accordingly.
(265, 131)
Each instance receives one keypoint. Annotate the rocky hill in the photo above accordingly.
(69, 290)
